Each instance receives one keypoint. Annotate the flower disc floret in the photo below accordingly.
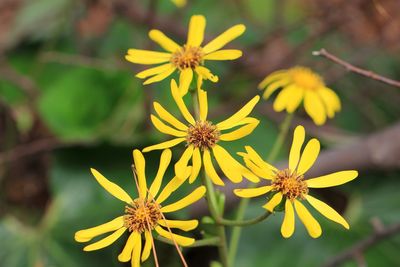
(142, 215)
(187, 57)
(290, 184)
(203, 135)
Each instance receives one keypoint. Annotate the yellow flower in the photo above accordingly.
(186, 58)
(179, 3)
(203, 137)
(143, 214)
(291, 188)
(300, 83)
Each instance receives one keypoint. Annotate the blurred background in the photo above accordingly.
(69, 101)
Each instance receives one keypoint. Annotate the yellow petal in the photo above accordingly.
(161, 76)
(164, 41)
(105, 241)
(197, 26)
(87, 234)
(163, 145)
(249, 175)
(180, 240)
(298, 140)
(183, 225)
(264, 173)
(309, 156)
(166, 116)
(147, 246)
(314, 107)
(224, 38)
(311, 224)
(288, 223)
(147, 57)
(239, 133)
(165, 159)
(289, 98)
(209, 168)
(327, 211)
(180, 103)
(252, 192)
(126, 253)
(331, 101)
(172, 185)
(153, 71)
(333, 179)
(276, 75)
(185, 79)
(203, 104)
(206, 74)
(112, 188)
(162, 127)
(229, 166)
(273, 202)
(186, 201)
(135, 260)
(196, 162)
(179, 3)
(182, 163)
(270, 89)
(227, 54)
(140, 166)
(238, 116)
(253, 155)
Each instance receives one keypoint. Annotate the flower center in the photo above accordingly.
(187, 57)
(203, 135)
(305, 78)
(142, 215)
(290, 184)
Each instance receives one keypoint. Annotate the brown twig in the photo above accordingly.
(352, 68)
(356, 250)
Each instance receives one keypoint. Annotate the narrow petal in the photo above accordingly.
(180, 103)
(164, 41)
(288, 224)
(253, 155)
(126, 253)
(171, 187)
(87, 234)
(186, 201)
(180, 240)
(197, 26)
(196, 162)
(209, 168)
(311, 224)
(112, 188)
(238, 116)
(298, 140)
(161, 76)
(165, 159)
(333, 179)
(309, 156)
(224, 38)
(105, 241)
(185, 79)
(147, 57)
(163, 145)
(153, 71)
(229, 166)
(314, 107)
(273, 202)
(327, 211)
(183, 225)
(276, 75)
(135, 260)
(182, 163)
(252, 192)
(289, 98)
(206, 74)
(239, 133)
(203, 104)
(147, 245)
(270, 89)
(168, 117)
(140, 166)
(227, 54)
(331, 101)
(263, 173)
(249, 175)
(162, 127)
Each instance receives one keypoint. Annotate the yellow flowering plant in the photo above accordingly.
(204, 143)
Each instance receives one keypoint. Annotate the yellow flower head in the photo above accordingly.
(300, 83)
(179, 3)
(291, 187)
(202, 136)
(187, 58)
(143, 214)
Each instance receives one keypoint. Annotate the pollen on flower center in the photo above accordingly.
(142, 215)
(290, 184)
(203, 135)
(187, 57)
(305, 78)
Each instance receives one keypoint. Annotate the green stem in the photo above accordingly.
(212, 241)
(244, 202)
(245, 222)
